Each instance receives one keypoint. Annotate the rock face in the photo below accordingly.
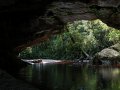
(27, 22)
(112, 54)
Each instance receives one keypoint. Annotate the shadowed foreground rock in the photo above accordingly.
(7, 82)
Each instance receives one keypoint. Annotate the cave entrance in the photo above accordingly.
(81, 40)
(25, 22)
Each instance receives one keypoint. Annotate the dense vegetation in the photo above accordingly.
(81, 40)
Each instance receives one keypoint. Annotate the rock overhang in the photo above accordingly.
(35, 21)
(27, 22)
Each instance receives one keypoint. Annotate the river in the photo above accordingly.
(54, 76)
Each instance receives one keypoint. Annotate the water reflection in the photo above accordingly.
(69, 77)
(110, 73)
(108, 79)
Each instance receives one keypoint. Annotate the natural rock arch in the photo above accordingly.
(27, 22)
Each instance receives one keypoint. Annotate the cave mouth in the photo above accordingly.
(25, 23)
(81, 40)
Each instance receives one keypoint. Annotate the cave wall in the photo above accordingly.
(27, 22)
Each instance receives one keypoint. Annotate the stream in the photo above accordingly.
(57, 76)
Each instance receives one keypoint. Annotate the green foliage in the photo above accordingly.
(81, 40)
(27, 53)
(116, 34)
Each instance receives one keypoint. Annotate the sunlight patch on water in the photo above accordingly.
(44, 61)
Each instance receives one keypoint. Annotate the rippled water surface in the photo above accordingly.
(71, 77)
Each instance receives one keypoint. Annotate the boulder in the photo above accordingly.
(116, 47)
(111, 54)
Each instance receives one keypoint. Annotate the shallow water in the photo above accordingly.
(71, 77)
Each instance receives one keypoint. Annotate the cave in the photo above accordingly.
(25, 23)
